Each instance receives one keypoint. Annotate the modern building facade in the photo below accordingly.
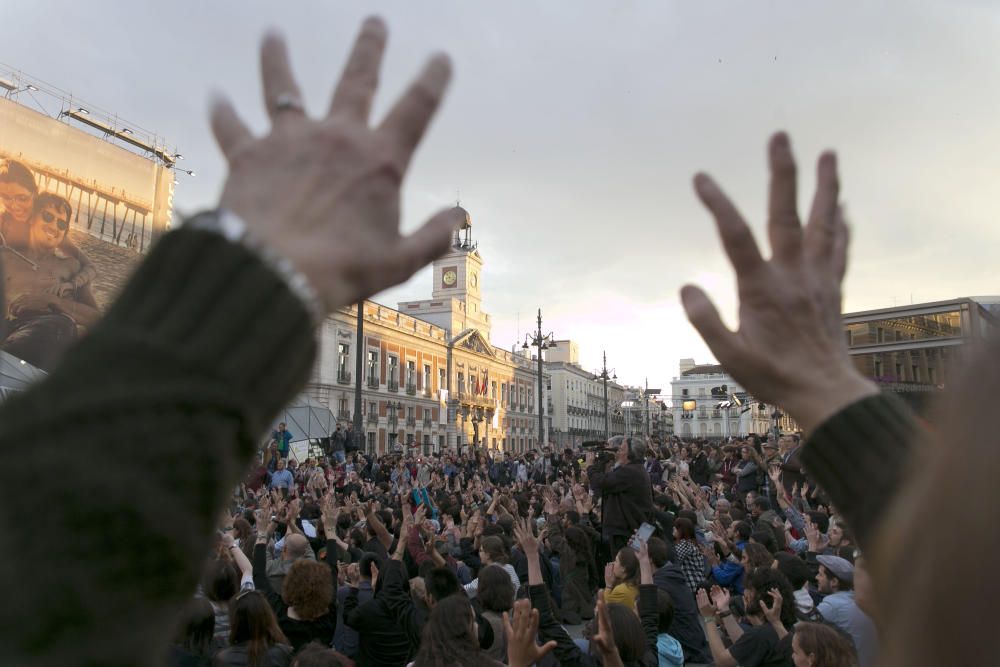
(912, 350)
(431, 375)
(577, 399)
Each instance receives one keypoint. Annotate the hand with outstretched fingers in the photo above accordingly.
(790, 348)
(324, 193)
(521, 630)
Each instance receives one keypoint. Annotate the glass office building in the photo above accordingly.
(912, 350)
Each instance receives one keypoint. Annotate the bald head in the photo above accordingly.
(295, 546)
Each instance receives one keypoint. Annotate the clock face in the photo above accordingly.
(449, 277)
(474, 279)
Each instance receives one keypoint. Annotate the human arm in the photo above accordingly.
(773, 613)
(549, 629)
(809, 374)
(720, 654)
(521, 630)
(381, 534)
(81, 313)
(241, 560)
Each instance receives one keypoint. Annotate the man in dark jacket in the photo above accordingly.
(625, 491)
(686, 626)
(699, 468)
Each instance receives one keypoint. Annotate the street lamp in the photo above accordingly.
(604, 378)
(542, 342)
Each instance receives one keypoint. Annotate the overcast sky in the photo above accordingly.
(573, 127)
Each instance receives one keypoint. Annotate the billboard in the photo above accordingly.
(77, 211)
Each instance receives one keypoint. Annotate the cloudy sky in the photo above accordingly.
(573, 128)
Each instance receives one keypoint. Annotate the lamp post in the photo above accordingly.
(604, 377)
(542, 342)
(358, 374)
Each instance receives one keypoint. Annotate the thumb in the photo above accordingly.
(545, 648)
(703, 315)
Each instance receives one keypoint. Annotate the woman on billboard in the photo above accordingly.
(18, 191)
(41, 321)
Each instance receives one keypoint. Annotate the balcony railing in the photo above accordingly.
(373, 382)
(344, 416)
(392, 385)
(428, 422)
(343, 377)
(411, 388)
(428, 392)
(372, 417)
(411, 421)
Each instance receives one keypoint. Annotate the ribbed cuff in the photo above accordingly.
(859, 457)
(218, 307)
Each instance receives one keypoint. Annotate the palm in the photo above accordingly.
(324, 193)
(789, 349)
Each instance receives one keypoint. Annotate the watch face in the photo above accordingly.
(449, 278)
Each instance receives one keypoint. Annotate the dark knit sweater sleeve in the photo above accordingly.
(860, 456)
(132, 445)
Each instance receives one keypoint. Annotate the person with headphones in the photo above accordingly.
(625, 490)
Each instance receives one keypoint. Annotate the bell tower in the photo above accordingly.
(458, 275)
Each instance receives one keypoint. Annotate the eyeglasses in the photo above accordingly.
(20, 199)
(61, 223)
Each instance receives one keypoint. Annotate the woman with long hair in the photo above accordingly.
(819, 645)
(451, 637)
(496, 597)
(687, 555)
(193, 642)
(254, 636)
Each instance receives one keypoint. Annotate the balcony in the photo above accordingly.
(393, 422)
(343, 376)
(411, 421)
(373, 382)
(344, 416)
(428, 422)
(411, 388)
(372, 417)
(392, 385)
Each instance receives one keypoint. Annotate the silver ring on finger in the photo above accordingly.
(288, 102)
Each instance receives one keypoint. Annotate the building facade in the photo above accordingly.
(912, 350)
(708, 403)
(578, 406)
(431, 375)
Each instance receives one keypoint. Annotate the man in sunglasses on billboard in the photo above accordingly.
(39, 323)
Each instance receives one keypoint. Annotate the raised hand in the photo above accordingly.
(705, 604)
(790, 348)
(721, 598)
(609, 575)
(772, 613)
(604, 640)
(324, 194)
(525, 537)
(522, 651)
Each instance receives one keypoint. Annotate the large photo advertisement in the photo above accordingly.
(76, 213)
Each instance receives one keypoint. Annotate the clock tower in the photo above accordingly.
(456, 299)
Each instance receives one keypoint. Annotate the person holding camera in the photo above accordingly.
(625, 490)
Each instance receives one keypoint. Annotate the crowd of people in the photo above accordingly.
(738, 534)
(754, 552)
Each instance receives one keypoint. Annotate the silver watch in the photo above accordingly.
(232, 227)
